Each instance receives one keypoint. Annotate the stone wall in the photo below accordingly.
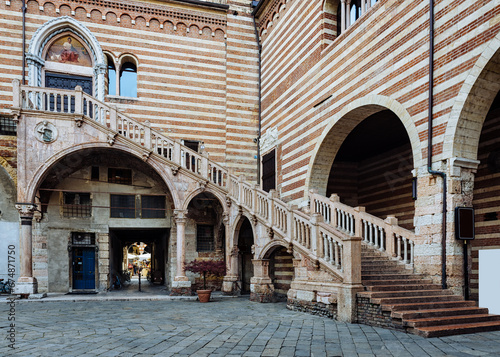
(373, 315)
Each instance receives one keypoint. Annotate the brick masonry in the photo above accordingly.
(314, 308)
(373, 315)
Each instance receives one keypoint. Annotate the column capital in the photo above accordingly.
(180, 215)
(26, 210)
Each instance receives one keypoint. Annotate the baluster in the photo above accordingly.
(412, 252)
(370, 233)
(381, 237)
(331, 252)
(399, 247)
(351, 223)
(337, 254)
(405, 246)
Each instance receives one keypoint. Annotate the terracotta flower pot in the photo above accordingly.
(204, 295)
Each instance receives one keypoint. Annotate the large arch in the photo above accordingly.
(339, 128)
(28, 193)
(54, 27)
(472, 104)
(191, 195)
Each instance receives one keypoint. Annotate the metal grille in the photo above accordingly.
(153, 206)
(8, 126)
(205, 238)
(78, 238)
(122, 206)
(77, 204)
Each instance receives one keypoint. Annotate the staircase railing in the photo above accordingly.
(77, 102)
(384, 235)
(325, 235)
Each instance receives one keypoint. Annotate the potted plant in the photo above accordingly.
(206, 268)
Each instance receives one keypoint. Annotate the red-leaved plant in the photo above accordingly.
(207, 268)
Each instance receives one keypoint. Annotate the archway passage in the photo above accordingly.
(150, 263)
(281, 272)
(245, 242)
(373, 168)
(486, 203)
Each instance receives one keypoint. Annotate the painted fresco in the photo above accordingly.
(68, 49)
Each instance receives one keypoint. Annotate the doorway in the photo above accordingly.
(84, 268)
(245, 242)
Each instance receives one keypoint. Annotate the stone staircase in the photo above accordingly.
(411, 302)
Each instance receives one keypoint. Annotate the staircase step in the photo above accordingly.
(426, 305)
(389, 276)
(404, 287)
(416, 299)
(406, 293)
(457, 311)
(456, 329)
(451, 320)
(401, 282)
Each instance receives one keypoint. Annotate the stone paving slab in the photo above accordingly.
(224, 327)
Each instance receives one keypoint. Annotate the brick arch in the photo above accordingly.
(469, 111)
(339, 127)
(27, 194)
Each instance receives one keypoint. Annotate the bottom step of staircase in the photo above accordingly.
(457, 329)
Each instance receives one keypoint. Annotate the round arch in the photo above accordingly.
(53, 28)
(220, 197)
(235, 231)
(40, 174)
(341, 125)
(270, 247)
(473, 102)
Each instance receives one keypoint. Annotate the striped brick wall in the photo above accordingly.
(189, 85)
(382, 57)
(486, 195)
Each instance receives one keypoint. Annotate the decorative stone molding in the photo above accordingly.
(79, 121)
(26, 210)
(458, 163)
(269, 140)
(111, 138)
(202, 184)
(175, 170)
(146, 155)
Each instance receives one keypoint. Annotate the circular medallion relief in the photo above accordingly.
(46, 132)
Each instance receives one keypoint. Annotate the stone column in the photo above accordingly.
(348, 13)
(181, 284)
(230, 283)
(26, 284)
(261, 286)
(100, 70)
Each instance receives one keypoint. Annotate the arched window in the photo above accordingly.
(128, 80)
(355, 11)
(111, 77)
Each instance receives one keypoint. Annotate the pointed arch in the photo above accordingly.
(53, 28)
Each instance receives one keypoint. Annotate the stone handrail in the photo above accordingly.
(384, 235)
(77, 102)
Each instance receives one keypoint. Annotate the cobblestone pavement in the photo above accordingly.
(225, 327)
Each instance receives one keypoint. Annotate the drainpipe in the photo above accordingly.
(260, 88)
(429, 143)
(23, 9)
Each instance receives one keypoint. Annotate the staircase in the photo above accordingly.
(415, 304)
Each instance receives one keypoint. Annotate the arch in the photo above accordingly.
(465, 122)
(54, 27)
(270, 247)
(39, 176)
(10, 170)
(220, 197)
(342, 123)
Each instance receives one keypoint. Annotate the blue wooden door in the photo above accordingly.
(83, 268)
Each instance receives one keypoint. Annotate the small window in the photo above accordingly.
(128, 80)
(153, 206)
(269, 171)
(205, 238)
(122, 206)
(76, 204)
(78, 238)
(8, 126)
(94, 175)
(122, 176)
(192, 144)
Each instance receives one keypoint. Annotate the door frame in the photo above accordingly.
(95, 247)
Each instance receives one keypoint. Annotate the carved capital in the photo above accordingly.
(26, 210)
(234, 252)
(254, 220)
(180, 216)
(225, 218)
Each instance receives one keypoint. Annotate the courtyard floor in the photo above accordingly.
(96, 326)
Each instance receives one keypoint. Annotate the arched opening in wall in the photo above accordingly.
(95, 203)
(68, 63)
(281, 272)
(486, 247)
(128, 78)
(245, 255)
(331, 21)
(205, 236)
(373, 168)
